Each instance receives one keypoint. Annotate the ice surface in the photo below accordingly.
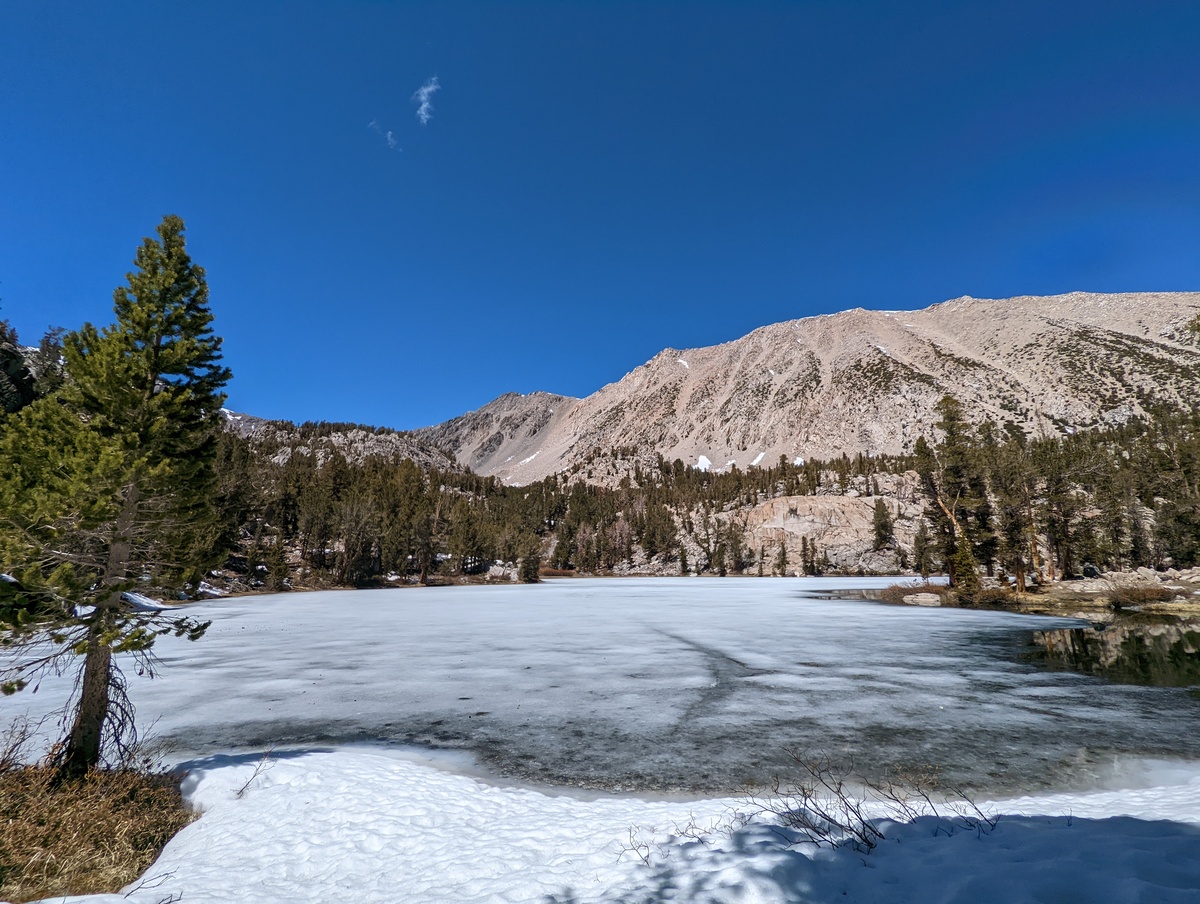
(690, 684)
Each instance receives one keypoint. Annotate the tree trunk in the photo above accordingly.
(1035, 563)
(82, 751)
(83, 746)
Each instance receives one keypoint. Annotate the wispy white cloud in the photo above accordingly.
(423, 98)
(389, 136)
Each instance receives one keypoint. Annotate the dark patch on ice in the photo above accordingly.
(725, 672)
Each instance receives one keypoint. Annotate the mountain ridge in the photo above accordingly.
(855, 381)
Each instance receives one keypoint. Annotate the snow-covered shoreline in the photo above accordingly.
(673, 677)
(369, 825)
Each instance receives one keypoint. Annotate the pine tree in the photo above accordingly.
(922, 550)
(953, 482)
(882, 523)
(531, 560)
(110, 483)
(45, 364)
(278, 572)
(1010, 473)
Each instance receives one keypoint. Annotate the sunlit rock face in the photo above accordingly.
(859, 381)
(841, 527)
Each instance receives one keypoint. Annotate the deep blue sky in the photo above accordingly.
(596, 181)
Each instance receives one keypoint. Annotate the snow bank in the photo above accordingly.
(365, 825)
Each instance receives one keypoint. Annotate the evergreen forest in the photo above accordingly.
(996, 500)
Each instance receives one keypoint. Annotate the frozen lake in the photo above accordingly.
(652, 684)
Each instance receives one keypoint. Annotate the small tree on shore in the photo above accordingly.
(922, 550)
(530, 565)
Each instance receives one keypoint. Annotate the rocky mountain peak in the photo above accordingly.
(856, 381)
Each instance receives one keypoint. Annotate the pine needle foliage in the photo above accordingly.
(107, 485)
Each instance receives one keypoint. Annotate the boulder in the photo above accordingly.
(923, 599)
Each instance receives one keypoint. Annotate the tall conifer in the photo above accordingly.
(109, 484)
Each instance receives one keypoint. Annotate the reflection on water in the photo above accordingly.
(1158, 654)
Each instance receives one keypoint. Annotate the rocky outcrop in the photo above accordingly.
(355, 443)
(841, 527)
(858, 381)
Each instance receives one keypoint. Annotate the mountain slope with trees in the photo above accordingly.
(974, 494)
(974, 499)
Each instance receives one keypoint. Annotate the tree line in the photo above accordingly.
(997, 501)
(1125, 496)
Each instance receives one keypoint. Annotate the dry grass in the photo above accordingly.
(897, 592)
(88, 836)
(985, 597)
(1139, 595)
(988, 597)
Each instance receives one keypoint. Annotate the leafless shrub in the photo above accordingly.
(828, 805)
(15, 742)
(155, 881)
(831, 805)
(264, 763)
(654, 845)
